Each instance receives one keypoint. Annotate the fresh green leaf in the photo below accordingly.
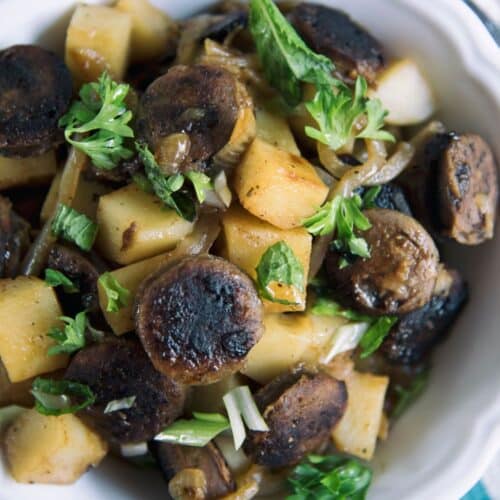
(286, 60)
(329, 478)
(75, 227)
(328, 307)
(375, 335)
(201, 184)
(168, 189)
(408, 395)
(117, 295)
(143, 182)
(375, 116)
(198, 431)
(102, 113)
(279, 264)
(55, 278)
(57, 397)
(72, 337)
(371, 196)
(120, 404)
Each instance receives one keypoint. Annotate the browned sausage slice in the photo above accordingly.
(198, 319)
(35, 91)
(468, 190)
(201, 101)
(173, 459)
(399, 276)
(300, 409)
(117, 369)
(332, 32)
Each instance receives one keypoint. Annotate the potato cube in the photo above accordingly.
(153, 31)
(28, 309)
(97, 40)
(16, 172)
(357, 431)
(134, 225)
(245, 238)
(14, 394)
(274, 129)
(277, 186)
(51, 450)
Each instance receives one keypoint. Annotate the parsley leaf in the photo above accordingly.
(55, 278)
(56, 397)
(329, 478)
(168, 189)
(407, 396)
(74, 227)
(286, 59)
(371, 196)
(72, 337)
(117, 295)
(279, 264)
(102, 112)
(201, 183)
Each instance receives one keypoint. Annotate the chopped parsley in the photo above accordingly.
(117, 295)
(74, 227)
(56, 278)
(201, 183)
(71, 337)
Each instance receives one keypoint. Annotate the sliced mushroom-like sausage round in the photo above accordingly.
(300, 408)
(117, 369)
(201, 101)
(468, 190)
(332, 32)
(416, 333)
(198, 319)
(399, 276)
(35, 91)
(174, 459)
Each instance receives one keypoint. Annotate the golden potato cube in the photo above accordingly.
(245, 238)
(274, 129)
(153, 31)
(134, 225)
(28, 309)
(51, 450)
(97, 40)
(16, 172)
(277, 186)
(14, 394)
(357, 431)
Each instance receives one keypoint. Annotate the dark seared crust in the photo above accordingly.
(35, 91)
(119, 368)
(413, 337)
(332, 32)
(300, 409)
(200, 101)
(399, 276)
(80, 270)
(173, 458)
(468, 190)
(14, 239)
(198, 319)
(392, 197)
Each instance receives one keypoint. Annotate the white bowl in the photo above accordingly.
(441, 447)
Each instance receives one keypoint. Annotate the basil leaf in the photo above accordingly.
(55, 278)
(56, 397)
(279, 264)
(74, 227)
(117, 295)
(71, 338)
(375, 335)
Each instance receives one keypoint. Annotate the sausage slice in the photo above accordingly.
(200, 101)
(399, 276)
(173, 459)
(468, 190)
(198, 319)
(35, 91)
(300, 408)
(119, 368)
(332, 33)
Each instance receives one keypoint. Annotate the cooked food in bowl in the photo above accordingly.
(221, 247)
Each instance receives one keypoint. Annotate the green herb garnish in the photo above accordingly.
(72, 337)
(97, 123)
(55, 278)
(408, 395)
(57, 397)
(117, 295)
(280, 265)
(329, 478)
(371, 196)
(75, 227)
(201, 183)
(198, 431)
